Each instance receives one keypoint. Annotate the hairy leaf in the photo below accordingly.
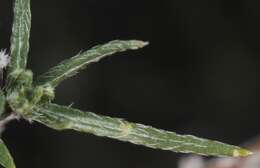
(20, 35)
(61, 117)
(70, 67)
(6, 159)
(2, 103)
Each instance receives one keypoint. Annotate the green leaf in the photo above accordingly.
(20, 35)
(70, 67)
(2, 103)
(61, 117)
(6, 159)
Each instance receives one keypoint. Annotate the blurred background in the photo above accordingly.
(200, 75)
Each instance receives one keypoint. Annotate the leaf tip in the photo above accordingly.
(145, 43)
(241, 153)
(136, 44)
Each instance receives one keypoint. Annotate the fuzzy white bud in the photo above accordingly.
(4, 59)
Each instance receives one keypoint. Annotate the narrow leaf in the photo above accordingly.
(6, 159)
(2, 103)
(61, 117)
(70, 67)
(20, 35)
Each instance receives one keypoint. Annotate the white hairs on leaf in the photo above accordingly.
(4, 59)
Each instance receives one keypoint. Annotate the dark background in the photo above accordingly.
(199, 75)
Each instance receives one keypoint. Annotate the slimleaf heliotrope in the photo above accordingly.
(31, 99)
